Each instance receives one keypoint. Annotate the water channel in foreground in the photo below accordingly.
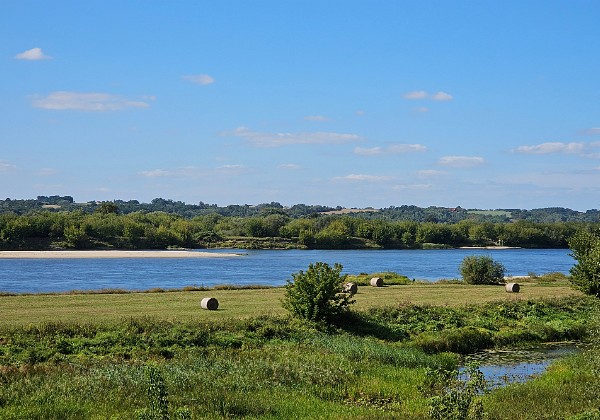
(503, 367)
(265, 267)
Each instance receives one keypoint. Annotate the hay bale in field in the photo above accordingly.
(351, 288)
(209, 303)
(512, 287)
(376, 282)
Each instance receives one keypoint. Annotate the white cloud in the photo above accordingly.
(156, 173)
(406, 148)
(320, 118)
(33, 54)
(417, 94)
(5, 166)
(551, 147)
(430, 173)
(280, 139)
(290, 166)
(412, 187)
(461, 161)
(422, 109)
(441, 96)
(199, 79)
(392, 149)
(421, 94)
(362, 177)
(232, 169)
(95, 102)
(368, 151)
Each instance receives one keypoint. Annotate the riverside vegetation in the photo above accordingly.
(107, 228)
(394, 355)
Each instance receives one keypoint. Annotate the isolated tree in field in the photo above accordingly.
(481, 270)
(585, 274)
(317, 295)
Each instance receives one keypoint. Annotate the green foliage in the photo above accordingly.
(158, 399)
(585, 274)
(282, 367)
(460, 400)
(317, 295)
(389, 278)
(107, 207)
(165, 223)
(481, 270)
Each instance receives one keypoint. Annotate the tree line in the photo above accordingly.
(107, 228)
(393, 213)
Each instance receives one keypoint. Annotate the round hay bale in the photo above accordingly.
(351, 288)
(209, 303)
(376, 282)
(512, 287)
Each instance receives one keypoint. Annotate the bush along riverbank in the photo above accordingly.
(388, 362)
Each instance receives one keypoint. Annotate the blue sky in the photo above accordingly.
(482, 104)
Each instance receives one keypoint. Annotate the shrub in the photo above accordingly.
(317, 295)
(585, 274)
(481, 270)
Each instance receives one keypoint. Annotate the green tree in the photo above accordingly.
(481, 269)
(317, 295)
(585, 274)
(107, 207)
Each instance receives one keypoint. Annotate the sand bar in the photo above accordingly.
(114, 254)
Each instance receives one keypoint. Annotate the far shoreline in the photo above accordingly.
(66, 254)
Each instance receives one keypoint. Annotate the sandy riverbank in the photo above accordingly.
(490, 247)
(113, 254)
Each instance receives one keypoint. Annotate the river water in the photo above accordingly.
(265, 267)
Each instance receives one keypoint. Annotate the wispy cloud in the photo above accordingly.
(412, 187)
(363, 177)
(416, 94)
(199, 79)
(461, 161)
(33, 54)
(442, 96)
(48, 172)
(262, 139)
(591, 131)
(551, 147)
(93, 102)
(421, 109)
(5, 166)
(156, 173)
(319, 118)
(194, 171)
(232, 169)
(389, 150)
(430, 173)
(289, 166)
(421, 94)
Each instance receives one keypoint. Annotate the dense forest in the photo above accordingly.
(59, 222)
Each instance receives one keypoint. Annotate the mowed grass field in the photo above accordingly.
(184, 306)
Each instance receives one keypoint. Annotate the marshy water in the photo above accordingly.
(503, 367)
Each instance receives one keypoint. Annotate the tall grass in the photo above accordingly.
(373, 366)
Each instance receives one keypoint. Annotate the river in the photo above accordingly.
(265, 267)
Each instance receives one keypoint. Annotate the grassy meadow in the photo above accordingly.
(82, 307)
(158, 355)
